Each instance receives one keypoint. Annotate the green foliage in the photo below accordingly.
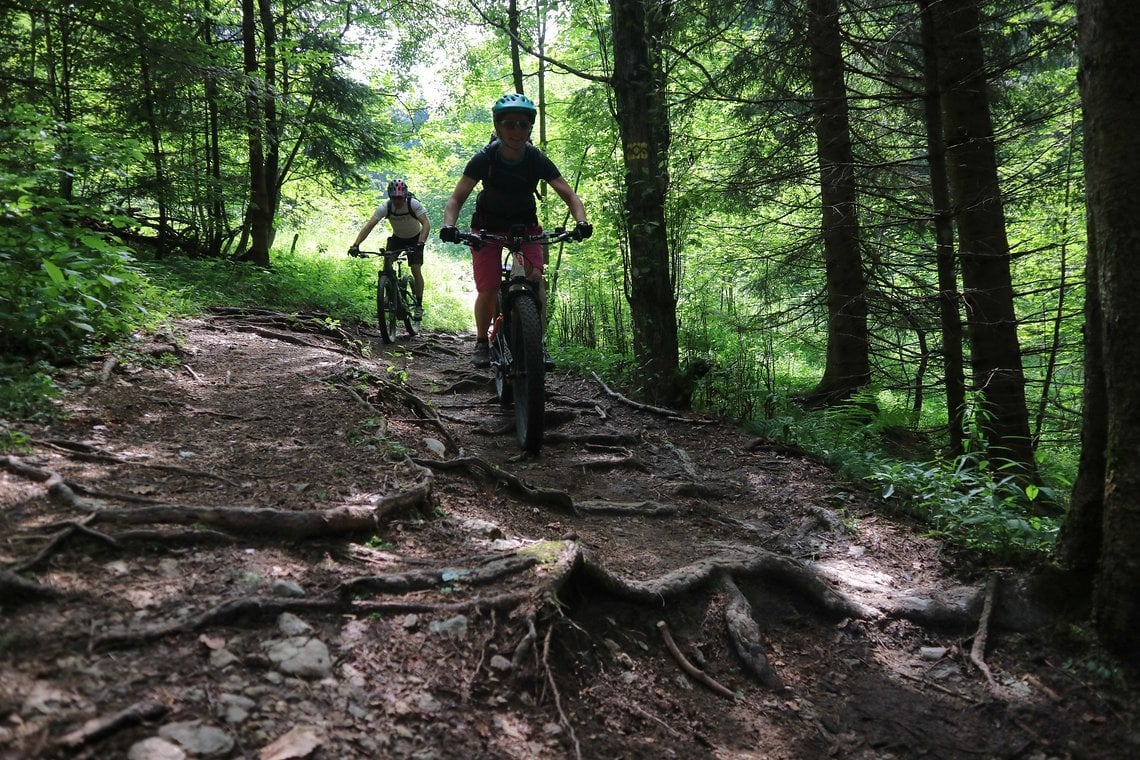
(11, 440)
(965, 503)
(64, 281)
(27, 392)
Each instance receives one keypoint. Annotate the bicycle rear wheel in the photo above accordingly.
(528, 373)
(386, 307)
(411, 324)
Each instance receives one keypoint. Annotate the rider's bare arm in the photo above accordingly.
(569, 197)
(458, 197)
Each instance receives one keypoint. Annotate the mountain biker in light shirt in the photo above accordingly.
(410, 228)
(510, 169)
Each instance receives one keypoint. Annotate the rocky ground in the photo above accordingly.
(265, 537)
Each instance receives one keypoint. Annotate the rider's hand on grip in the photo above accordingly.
(420, 248)
(583, 230)
(449, 234)
(354, 251)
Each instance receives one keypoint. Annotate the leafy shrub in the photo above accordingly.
(64, 282)
(965, 503)
(26, 392)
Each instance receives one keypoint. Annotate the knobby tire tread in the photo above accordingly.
(529, 373)
(409, 306)
(386, 296)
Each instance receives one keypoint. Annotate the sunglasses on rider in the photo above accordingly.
(512, 124)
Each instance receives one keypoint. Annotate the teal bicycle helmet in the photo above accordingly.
(514, 103)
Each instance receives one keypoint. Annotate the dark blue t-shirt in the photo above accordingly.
(507, 196)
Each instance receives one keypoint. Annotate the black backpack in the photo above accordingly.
(491, 148)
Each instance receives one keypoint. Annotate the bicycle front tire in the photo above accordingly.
(386, 307)
(529, 381)
(411, 324)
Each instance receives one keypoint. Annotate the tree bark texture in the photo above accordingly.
(971, 163)
(1079, 546)
(643, 119)
(848, 366)
(257, 221)
(1110, 91)
(953, 364)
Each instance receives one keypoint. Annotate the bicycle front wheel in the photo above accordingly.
(529, 372)
(411, 324)
(386, 307)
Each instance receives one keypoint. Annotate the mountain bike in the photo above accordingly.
(394, 298)
(515, 335)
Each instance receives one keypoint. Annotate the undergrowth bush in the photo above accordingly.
(965, 503)
(65, 283)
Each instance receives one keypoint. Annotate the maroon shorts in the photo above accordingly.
(487, 262)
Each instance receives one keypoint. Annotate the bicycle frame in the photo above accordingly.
(515, 334)
(394, 299)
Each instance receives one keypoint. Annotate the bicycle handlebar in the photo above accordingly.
(394, 254)
(512, 240)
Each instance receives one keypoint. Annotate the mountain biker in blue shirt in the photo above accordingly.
(410, 228)
(510, 169)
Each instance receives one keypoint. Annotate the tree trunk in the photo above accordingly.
(215, 196)
(1079, 546)
(643, 119)
(257, 221)
(848, 366)
(948, 296)
(161, 186)
(516, 58)
(995, 353)
(1110, 58)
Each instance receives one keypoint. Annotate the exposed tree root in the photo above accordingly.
(610, 462)
(562, 717)
(978, 649)
(86, 453)
(100, 728)
(59, 539)
(758, 563)
(745, 634)
(658, 410)
(279, 523)
(626, 508)
(598, 439)
(558, 560)
(479, 466)
(438, 577)
(696, 673)
(776, 447)
(256, 320)
(16, 589)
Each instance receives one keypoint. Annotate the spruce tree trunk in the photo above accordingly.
(1110, 90)
(255, 220)
(848, 366)
(995, 353)
(643, 119)
(948, 296)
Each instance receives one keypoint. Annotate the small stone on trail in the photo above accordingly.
(291, 625)
(455, 627)
(155, 748)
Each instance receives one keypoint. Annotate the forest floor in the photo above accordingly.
(262, 537)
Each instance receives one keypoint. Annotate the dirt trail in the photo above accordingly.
(250, 539)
